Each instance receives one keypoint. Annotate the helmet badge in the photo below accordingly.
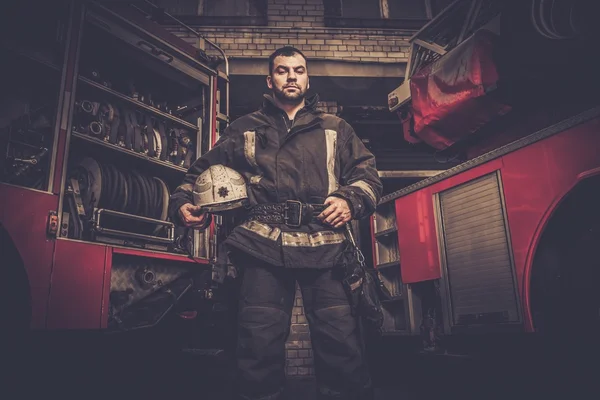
(223, 191)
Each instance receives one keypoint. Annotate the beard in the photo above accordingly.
(289, 97)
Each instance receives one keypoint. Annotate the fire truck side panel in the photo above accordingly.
(534, 180)
(24, 214)
(417, 239)
(534, 189)
(106, 288)
(78, 285)
(417, 235)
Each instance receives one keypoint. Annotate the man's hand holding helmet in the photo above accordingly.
(192, 215)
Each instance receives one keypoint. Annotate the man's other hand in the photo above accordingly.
(191, 215)
(337, 213)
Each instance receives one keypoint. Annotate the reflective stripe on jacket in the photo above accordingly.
(319, 156)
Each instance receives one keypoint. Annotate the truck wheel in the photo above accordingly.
(566, 270)
(15, 301)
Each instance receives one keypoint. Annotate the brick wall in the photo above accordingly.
(330, 107)
(300, 23)
(295, 13)
(298, 348)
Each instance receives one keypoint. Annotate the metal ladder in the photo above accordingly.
(440, 35)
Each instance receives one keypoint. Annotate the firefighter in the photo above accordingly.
(308, 174)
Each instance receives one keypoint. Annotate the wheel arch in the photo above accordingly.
(17, 307)
(553, 213)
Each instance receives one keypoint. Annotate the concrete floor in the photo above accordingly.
(69, 368)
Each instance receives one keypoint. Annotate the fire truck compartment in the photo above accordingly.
(476, 253)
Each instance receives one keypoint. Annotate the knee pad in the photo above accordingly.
(333, 319)
(259, 317)
(262, 328)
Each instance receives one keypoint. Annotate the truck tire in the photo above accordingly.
(566, 269)
(15, 302)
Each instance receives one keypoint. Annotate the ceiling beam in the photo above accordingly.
(316, 67)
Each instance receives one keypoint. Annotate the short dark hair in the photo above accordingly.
(286, 51)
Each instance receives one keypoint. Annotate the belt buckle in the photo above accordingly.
(286, 216)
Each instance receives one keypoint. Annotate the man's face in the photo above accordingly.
(289, 79)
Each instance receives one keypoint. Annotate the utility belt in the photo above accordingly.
(292, 213)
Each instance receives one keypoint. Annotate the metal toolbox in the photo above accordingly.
(132, 230)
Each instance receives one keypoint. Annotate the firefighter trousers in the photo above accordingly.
(264, 315)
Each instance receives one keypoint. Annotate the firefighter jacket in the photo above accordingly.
(319, 156)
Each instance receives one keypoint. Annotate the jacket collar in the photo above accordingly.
(270, 108)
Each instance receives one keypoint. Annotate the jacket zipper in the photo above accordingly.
(277, 158)
(293, 132)
(285, 123)
(290, 134)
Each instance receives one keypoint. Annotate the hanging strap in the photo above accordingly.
(355, 273)
(359, 272)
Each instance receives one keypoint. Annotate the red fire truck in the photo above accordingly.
(507, 240)
(102, 112)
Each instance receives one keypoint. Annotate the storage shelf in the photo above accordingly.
(386, 232)
(38, 58)
(223, 75)
(155, 254)
(116, 249)
(388, 264)
(222, 117)
(128, 152)
(137, 103)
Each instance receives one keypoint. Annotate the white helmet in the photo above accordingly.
(219, 188)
